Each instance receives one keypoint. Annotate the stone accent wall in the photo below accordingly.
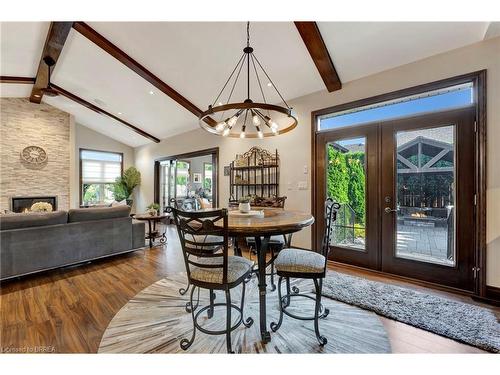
(25, 124)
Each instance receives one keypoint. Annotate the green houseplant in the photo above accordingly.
(154, 207)
(124, 186)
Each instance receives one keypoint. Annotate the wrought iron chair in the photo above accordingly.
(276, 243)
(306, 264)
(211, 270)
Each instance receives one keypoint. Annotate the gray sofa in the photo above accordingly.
(36, 242)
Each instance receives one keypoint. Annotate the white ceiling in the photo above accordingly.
(196, 59)
(359, 49)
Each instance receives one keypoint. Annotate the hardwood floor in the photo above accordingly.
(67, 310)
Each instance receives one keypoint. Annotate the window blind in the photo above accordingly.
(100, 167)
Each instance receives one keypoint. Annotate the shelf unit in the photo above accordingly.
(255, 173)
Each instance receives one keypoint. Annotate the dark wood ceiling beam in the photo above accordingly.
(18, 80)
(101, 111)
(56, 37)
(315, 44)
(132, 64)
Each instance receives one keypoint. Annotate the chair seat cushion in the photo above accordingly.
(236, 268)
(300, 261)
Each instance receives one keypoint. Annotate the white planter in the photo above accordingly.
(244, 207)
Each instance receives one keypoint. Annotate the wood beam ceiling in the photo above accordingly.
(18, 80)
(95, 108)
(313, 40)
(132, 64)
(83, 102)
(56, 37)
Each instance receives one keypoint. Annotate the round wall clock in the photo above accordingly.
(34, 155)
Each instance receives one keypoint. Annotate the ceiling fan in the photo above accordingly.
(49, 90)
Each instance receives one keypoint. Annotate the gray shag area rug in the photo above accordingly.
(470, 324)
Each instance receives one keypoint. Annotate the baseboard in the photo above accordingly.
(492, 295)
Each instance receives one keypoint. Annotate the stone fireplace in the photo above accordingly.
(23, 204)
(25, 124)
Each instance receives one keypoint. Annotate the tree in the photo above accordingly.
(356, 185)
(337, 176)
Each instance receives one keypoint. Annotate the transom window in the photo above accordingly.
(98, 171)
(437, 100)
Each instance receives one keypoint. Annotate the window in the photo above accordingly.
(442, 99)
(98, 172)
(207, 178)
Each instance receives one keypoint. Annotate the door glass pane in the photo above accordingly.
(346, 176)
(425, 187)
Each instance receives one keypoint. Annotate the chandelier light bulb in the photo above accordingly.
(273, 125)
(256, 119)
(259, 133)
(232, 121)
(242, 134)
(220, 126)
(226, 131)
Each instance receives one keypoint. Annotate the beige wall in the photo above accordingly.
(84, 137)
(26, 124)
(295, 147)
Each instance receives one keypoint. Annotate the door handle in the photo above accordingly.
(388, 210)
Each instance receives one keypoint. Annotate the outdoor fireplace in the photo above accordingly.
(23, 204)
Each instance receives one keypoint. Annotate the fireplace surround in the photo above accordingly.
(22, 204)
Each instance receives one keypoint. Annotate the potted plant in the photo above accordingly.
(154, 209)
(244, 204)
(124, 186)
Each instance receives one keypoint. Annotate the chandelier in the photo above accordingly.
(247, 119)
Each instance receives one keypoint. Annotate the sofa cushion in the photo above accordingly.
(102, 213)
(32, 219)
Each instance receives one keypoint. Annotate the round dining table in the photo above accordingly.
(275, 221)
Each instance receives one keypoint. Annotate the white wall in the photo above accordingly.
(83, 137)
(295, 147)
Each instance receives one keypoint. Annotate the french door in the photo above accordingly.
(406, 189)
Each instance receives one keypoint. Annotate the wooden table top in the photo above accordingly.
(275, 221)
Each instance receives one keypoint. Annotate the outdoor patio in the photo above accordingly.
(423, 243)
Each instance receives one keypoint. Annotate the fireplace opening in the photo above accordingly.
(23, 204)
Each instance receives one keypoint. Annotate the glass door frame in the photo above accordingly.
(370, 256)
(459, 276)
(478, 78)
(214, 152)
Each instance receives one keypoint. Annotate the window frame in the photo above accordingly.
(80, 164)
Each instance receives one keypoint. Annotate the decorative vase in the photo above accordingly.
(244, 207)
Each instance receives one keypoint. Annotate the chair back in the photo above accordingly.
(331, 208)
(276, 202)
(202, 235)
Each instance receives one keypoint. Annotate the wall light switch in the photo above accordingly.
(305, 169)
(302, 185)
(289, 186)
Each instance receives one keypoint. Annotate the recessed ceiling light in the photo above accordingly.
(37, 96)
(119, 113)
(220, 103)
(269, 84)
(151, 92)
